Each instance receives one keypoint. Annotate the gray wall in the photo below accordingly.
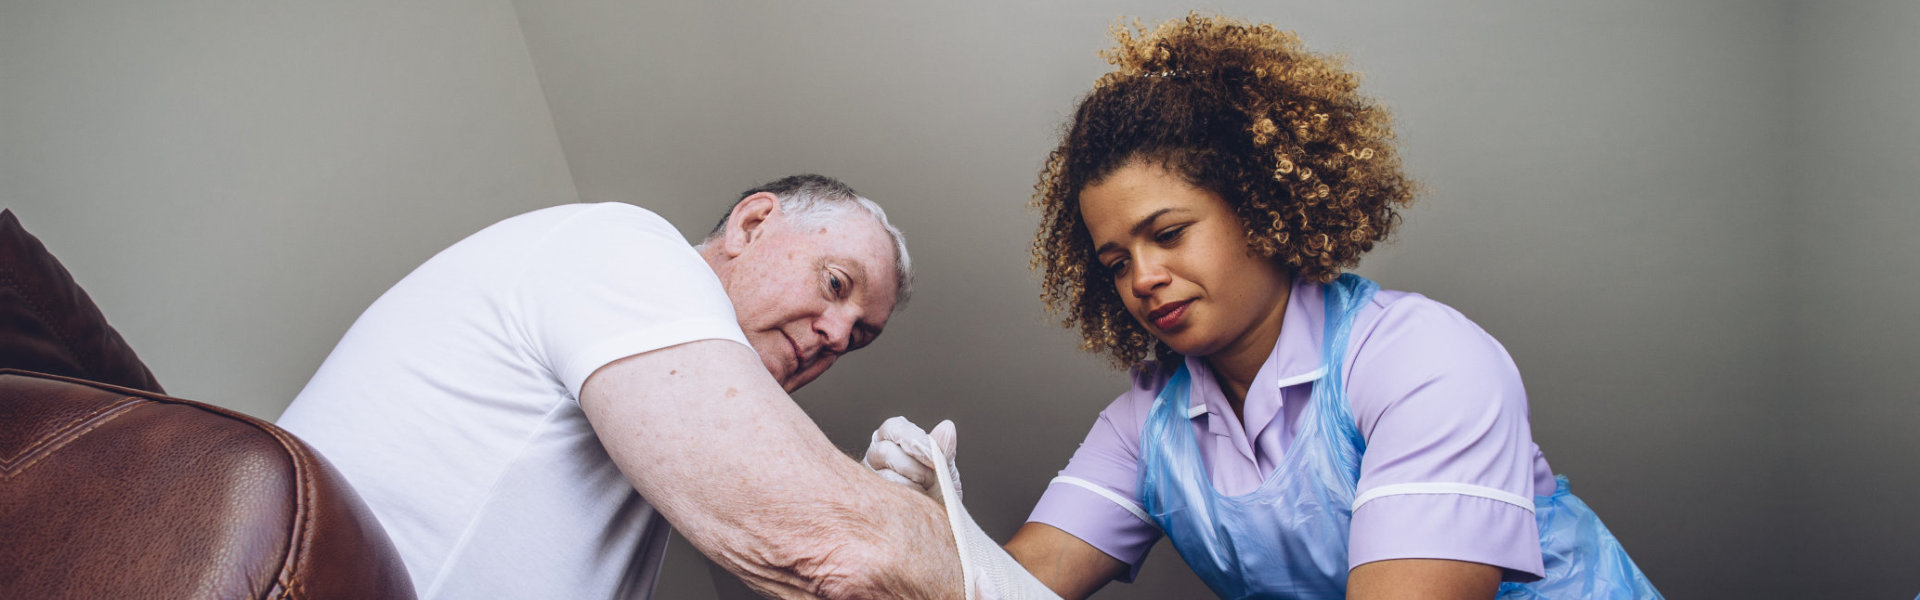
(1853, 283)
(1684, 220)
(233, 181)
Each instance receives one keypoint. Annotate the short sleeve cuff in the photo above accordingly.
(640, 342)
(1098, 521)
(1448, 526)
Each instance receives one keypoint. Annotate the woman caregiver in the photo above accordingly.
(1295, 432)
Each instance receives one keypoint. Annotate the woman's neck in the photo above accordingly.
(1235, 366)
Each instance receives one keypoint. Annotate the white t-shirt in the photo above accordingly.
(452, 404)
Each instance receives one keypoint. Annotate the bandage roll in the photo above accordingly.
(990, 573)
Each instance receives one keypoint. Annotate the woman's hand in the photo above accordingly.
(900, 453)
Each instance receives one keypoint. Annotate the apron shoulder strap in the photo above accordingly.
(1345, 297)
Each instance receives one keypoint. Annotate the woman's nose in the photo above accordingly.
(1148, 275)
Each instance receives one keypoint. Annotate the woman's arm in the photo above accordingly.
(1075, 570)
(1070, 567)
(1414, 578)
(1447, 483)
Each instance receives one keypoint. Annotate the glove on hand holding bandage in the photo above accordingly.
(991, 574)
(899, 453)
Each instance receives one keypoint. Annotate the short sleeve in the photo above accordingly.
(1096, 497)
(610, 282)
(1448, 468)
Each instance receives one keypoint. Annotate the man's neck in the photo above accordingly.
(716, 259)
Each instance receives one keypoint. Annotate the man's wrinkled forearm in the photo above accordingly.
(874, 540)
(905, 550)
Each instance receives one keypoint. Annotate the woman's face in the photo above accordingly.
(1178, 257)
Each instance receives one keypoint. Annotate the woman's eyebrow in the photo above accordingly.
(1141, 226)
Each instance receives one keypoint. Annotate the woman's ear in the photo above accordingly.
(748, 222)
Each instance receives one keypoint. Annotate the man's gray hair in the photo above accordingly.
(811, 200)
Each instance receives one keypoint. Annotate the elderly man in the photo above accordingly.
(527, 411)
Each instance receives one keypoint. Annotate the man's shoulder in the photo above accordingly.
(566, 231)
(587, 216)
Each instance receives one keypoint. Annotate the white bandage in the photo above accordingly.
(990, 572)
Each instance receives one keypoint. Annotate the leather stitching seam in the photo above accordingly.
(292, 579)
(57, 439)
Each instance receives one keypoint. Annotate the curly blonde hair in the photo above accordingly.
(1245, 111)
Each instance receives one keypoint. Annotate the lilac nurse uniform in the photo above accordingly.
(1450, 468)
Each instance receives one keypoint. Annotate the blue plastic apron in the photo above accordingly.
(1288, 538)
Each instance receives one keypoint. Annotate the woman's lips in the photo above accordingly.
(1168, 315)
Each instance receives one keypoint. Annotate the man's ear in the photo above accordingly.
(748, 222)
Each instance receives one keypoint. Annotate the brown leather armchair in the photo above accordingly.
(122, 492)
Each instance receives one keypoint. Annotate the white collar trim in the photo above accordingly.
(1313, 375)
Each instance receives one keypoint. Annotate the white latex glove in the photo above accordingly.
(901, 452)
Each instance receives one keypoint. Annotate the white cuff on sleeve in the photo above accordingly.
(1441, 487)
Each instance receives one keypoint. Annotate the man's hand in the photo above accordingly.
(900, 453)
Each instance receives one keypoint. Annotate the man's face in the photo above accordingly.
(806, 296)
